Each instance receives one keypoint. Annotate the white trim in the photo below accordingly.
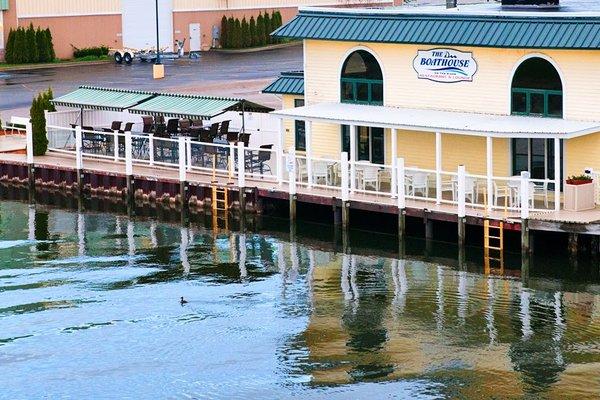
(69, 15)
(543, 56)
(341, 67)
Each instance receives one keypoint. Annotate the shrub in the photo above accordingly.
(50, 45)
(98, 51)
(253, 36)
(267, 22)
(38, 121)
(230, 32)
(246, 38)
(20, 55)
(42, 45)
(224, 32)
(278, 21)
(238, 34)
(260, 30)
(32, 47)
(10, 47)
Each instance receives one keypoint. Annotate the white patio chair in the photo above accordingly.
(301, 170)
(418, 182)
(320, 172)
(470, 189)
(540, 188)
(368, 176)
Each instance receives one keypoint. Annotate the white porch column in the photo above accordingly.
(490, 171)
(400, 184)
(438, 167)
(461, 179)
(308, 138)
(394, 185)
(524, 194)
(352, 158)
(280, 144)
(557, 174)
(344, 172)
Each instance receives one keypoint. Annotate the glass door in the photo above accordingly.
(535, 156)
(370, 143)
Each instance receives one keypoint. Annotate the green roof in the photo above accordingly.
(97, 98)
(193, 106)
(494, 30)
(287, 83)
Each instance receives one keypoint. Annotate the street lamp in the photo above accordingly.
(158, 70)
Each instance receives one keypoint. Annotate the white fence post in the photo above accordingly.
(352, 158)
(438, 168)
(188, 153)
(231, 163)
(151, 148)
(279, 152)
(292, 185)
(241, 166)
(344, 172)
(29, 142)
(78, 148)
(489, 173)
(116, 141)
(128, 156)
(394, 184)
(462, 207)
(309, 163)
(182, 159)
(524, 194)
(401, 183)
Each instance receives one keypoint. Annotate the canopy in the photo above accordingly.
(441, 121)
(287, 83)
(97, 98)
(194, 106)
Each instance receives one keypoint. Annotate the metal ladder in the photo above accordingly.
(493, 238)
(220, 206)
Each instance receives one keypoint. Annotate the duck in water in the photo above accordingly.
(183, 301)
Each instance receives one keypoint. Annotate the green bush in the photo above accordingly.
(230, 32)
(260, 30)
(29, 46)
(50, 45)
(238, 34)
(10, 45)
(32, 54)
(253, 36)
(267, 22)
(38, 121)
(246, 38)
(224, 33)
(97, 52)
(42, 45)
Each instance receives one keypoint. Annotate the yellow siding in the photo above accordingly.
(186, 5)
(581, 153)
(50, 8)
(488, 93)
(288, 102)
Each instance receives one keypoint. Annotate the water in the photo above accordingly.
(89, 308)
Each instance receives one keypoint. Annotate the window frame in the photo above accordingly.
(299, 128)
(528, 92)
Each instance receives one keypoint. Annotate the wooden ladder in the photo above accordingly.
(493, 237)
(220, 206)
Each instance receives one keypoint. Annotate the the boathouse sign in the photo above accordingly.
(445, 65)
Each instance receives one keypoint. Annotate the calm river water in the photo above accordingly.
(89, 308)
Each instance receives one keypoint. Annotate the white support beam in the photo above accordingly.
(352, 158)
(489, 171)
(400, 184)
(279, 151)
(29, 142)
(78, 148)
(344, 172)
(438, 167)
(309, 166)
(524, 193)
(182, 159)
(461, 180)
(188, 153)
(394, 185)
(292, 171)
(116, 143)
(151, 148)
(241, 168)
(557, 174)
(128, 156)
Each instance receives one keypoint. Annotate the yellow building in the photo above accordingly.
(500, 90)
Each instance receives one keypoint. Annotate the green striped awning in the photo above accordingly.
(107, 99)
(287, 83)
(194, 106)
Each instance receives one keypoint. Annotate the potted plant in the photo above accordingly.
(580, 193)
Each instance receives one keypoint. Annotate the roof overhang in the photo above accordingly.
(461, 123)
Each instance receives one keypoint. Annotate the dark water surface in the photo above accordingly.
(89, 308)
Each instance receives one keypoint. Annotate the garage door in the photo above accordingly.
(139, 23)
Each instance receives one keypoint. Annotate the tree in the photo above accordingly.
(50, 45)
(277, 23)
(260, 30)
(231, 32)
(224, 32)
(32, 48)
(38, 121)
(19, 55)
(267, 22)
(238, 34)
(10, 47)
(246, 38)
(40, 38)
(253, 37)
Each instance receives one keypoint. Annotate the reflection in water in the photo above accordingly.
(267, 317)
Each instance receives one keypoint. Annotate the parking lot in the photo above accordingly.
(219, 74)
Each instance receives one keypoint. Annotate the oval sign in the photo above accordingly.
(445, 65)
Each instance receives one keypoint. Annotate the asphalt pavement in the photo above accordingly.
(217, 74)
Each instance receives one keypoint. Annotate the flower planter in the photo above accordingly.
(579, 196)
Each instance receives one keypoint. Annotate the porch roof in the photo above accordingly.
(97, 98)
(440, 121)
(194, 106)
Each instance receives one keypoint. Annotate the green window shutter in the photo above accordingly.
(3, 4)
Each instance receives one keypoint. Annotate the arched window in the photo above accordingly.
(362, 80)
(537, 89)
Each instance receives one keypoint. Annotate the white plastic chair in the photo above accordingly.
(418, 182)
(320, 172)
(368, 176)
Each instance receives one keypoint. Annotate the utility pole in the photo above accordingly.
(158, 70)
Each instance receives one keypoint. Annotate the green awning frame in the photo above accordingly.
(106, 99)
(194, 106)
